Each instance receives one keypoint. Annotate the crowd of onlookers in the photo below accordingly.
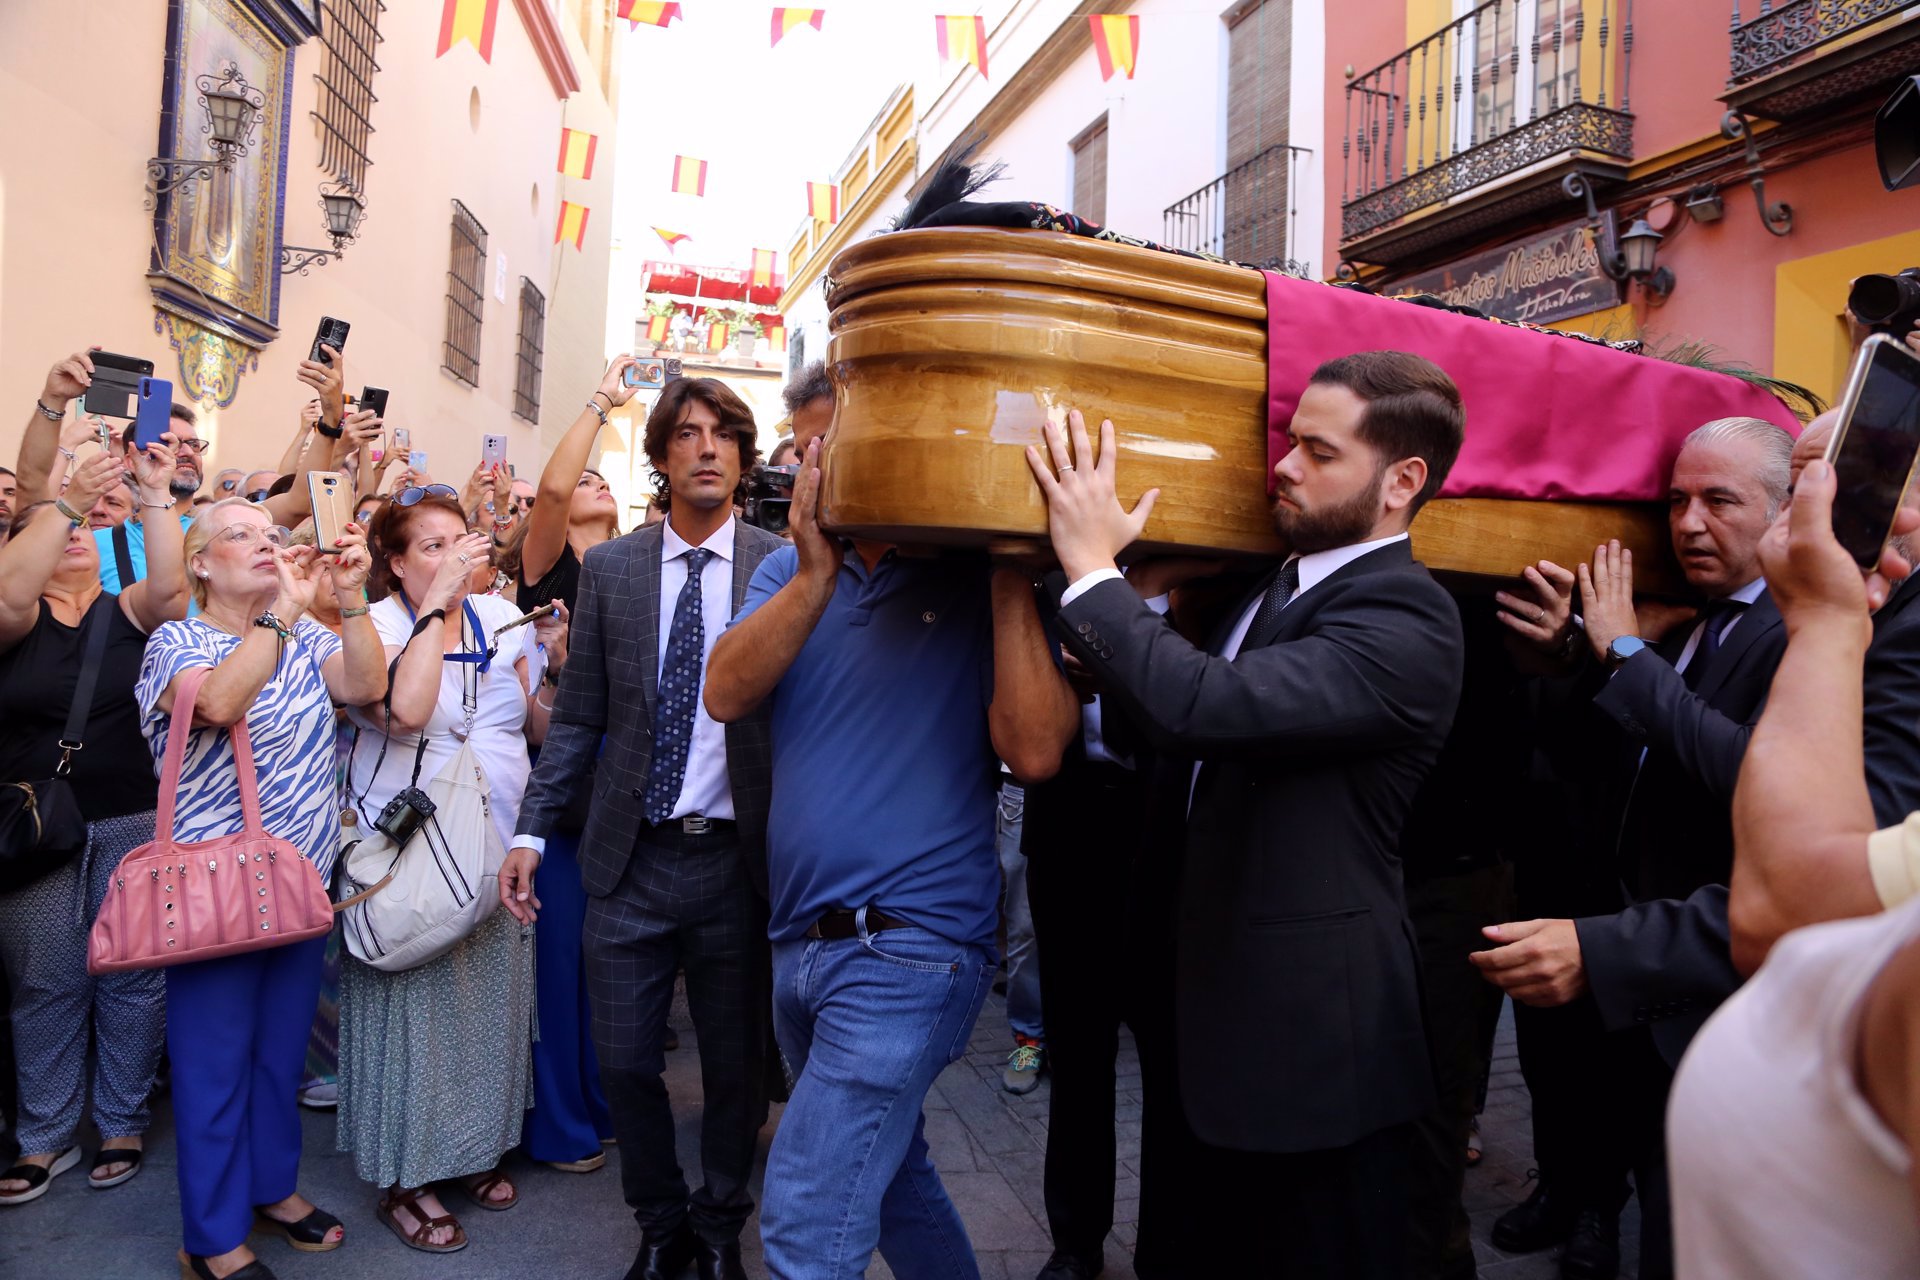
(1299, 830)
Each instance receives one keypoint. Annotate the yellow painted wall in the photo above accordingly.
(1613, 324)
(1810, 344)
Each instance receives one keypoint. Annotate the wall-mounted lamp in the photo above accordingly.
(1704, 203)
(1628, 256)
(344, 210)
(233, 110)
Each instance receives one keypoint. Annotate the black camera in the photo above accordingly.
(1887, 304)
(404, 815)
(770, 497)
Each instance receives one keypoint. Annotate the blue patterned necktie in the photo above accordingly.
(679, 694)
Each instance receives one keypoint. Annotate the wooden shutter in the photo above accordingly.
(1090, 173)
(1259, 77)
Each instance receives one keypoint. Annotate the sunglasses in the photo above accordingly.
(414, 493)
(257, 495)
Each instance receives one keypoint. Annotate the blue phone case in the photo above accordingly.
(155, 410)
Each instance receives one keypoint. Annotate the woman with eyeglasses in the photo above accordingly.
(51, 601)
(434, 1060)
(237, 1026)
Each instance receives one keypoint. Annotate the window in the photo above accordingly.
(533, 332)
(350, 29)
(1090, 173)
(1504, 36)
(466, 281)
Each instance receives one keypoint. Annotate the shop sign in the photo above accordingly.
(1552, 276)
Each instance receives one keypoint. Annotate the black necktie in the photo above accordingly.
(1266, 619)
(1719, 616)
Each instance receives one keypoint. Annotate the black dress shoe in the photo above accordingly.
(1538, 1222)
(718, 1261)
(1593, 1250)
(663, 1257)
(1065, 1266)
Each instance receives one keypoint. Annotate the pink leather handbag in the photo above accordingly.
(174, 903)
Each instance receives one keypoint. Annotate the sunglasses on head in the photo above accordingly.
(414, 493)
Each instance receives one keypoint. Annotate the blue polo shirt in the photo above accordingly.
(136, 552)
(884, 775)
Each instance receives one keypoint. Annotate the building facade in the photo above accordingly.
(464, 302)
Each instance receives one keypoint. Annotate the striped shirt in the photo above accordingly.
(291, 727)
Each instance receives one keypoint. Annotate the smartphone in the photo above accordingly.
(493, 450)
(332, 333)
(155, 396)
(115, 384)
(332, 495)
(402, 439)
(647, 373)
(417, 460)
(525, 618)
(1875, 445)
(374, 398)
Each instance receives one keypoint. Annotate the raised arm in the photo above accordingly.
(36, 469)
(357, 675)
(547, 523)
(1034, 712)
(236, 681)
(30, 558)
(162, 595)
(296, 504)
(417, 677)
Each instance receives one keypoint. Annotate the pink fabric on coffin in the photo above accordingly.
(1547, 417)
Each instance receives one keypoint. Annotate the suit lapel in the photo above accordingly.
(1761, 617)
(646, 610)
(1295, 619)
(1223, 631)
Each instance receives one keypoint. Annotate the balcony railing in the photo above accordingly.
(1245, 215)
(1779, 35)
(1510, 84)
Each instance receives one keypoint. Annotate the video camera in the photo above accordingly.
(770, 497)
(1887, 304)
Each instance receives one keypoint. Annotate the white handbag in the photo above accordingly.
(403, 905)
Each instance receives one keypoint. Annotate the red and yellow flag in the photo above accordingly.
(689, 176)
(763, 262)
(650, 13)
(1116, 38)
(657, 328)
(963, 38)
(673, 238)
(823, 201)
(717, 335)
(777, 337)
(572, 225)
(785, 20)
(469, 20)
(576, 153)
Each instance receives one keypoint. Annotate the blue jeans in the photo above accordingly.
(865, 1025)
(1023, 961)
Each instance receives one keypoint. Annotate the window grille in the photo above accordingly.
(466, 283)
(533, 335)
(350, 29)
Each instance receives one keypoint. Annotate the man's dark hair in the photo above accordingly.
(812, 383)
(184, 413)
(1413, 410)
(7, 471)
(671, 410)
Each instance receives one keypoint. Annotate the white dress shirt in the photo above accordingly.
(704, 789)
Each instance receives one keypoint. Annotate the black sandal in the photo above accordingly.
(196, 1268)
(37, 1177)
(129, 1156)
(309, 1235)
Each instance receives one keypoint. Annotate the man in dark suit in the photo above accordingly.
(1291, 749)
(673, 856)
(1671, 729)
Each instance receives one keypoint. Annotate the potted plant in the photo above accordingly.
(744, 326)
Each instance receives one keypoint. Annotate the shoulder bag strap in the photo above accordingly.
(179, 728)
(73, 737)
(123, 555)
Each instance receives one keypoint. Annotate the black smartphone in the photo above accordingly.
(374, 398)
(1875, 445)
(332, 333)
(115, 384)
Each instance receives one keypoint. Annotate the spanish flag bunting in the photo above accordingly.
(717, 335)
(785, 20)
(469, 20)
(657, 328)
(689, 176)
(763, 262)
(572, 225)
(777, 337)
(963, 38)
(576, 153)
(1116, 38)
(823, 201)
(673, 238)
(649, 13)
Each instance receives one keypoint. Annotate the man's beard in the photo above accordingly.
(182, 489)
(1340, 525)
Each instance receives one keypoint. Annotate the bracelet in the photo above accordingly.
(51, 415)
(156, 506)
(67, 453)
(544, 706)
(60, 505)
(271, 622)
(598, 412)
(359, 612)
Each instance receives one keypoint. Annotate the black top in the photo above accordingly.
(114, 774)
(562, 583)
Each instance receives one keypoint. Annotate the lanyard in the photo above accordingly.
(481, 658)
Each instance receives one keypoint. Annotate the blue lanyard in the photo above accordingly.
(482, 660)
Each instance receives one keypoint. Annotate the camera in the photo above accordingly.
(770, 497)
(404, 815)
(1887, 304)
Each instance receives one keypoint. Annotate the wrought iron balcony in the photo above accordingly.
(1507, 88)
(1794, 58)
(1246, 214)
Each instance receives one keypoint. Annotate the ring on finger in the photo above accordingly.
(1066, 466)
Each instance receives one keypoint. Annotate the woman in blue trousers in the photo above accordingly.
(568, 1121)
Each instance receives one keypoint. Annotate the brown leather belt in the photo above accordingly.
(837, 926)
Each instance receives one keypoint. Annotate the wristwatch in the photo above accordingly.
(1622, 648)
(331, 433)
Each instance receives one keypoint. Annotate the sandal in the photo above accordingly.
(480, 1187)
(37, 1177)
(196, 1268)
(420, 1237)
(129, 1156)
(585, 1164)
(309, 1235)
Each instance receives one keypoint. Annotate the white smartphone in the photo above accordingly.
(493, 450)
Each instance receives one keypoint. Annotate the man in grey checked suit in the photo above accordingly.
(673, 856)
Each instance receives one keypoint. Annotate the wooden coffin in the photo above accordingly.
(950, 348)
